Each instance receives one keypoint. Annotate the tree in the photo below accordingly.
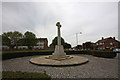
(67, 46)
(30, 39)
(118, 44)
(78, 47)
(88, 46)
(21, 42)
(54, 41)
(6, 40)
(16, 37)
(11, 38)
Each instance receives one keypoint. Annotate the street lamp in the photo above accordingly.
(77, 37)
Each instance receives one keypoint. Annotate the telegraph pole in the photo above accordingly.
(77, 37)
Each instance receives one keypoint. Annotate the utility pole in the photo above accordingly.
(77, 37)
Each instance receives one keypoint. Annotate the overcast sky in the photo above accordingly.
(93, 19)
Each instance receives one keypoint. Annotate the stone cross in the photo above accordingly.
(59, 50)
(59, 37)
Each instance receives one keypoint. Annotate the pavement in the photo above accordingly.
(96, 68)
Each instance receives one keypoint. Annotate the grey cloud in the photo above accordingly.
(94, 20)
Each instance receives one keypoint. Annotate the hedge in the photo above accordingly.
(16, 54)
(104, 54)
(78, 52)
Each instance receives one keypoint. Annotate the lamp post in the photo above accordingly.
(77, 37)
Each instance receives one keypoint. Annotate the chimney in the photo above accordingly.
(114, 38)
(102, 38)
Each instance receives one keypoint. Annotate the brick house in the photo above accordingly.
(88, 46)
(42, 43)
(107, 43)
(78, 47)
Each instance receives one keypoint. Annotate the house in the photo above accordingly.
(4, 47)
(107, 43)
(42, 43)
(78, 47)
(88, 46)
(22, 47)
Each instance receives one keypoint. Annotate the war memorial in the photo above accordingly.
(59, 57)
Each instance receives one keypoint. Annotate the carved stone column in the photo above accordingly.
(59, 50)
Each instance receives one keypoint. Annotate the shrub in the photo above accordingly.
(78, 52)
(104, 54)
(16, 54)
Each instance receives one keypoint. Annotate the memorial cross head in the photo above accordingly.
(58, 24)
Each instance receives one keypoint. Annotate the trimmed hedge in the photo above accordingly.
(16, 54)
(78, 52)
(104, 54)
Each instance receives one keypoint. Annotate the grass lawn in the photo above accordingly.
(24, 75)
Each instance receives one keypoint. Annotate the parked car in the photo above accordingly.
(116, 50)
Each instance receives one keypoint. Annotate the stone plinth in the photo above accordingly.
(75, 60)
(59, 51)
(59, 58)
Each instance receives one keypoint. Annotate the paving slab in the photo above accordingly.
(74, 60)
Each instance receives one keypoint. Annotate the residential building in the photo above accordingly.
(88, 46)
(42, 43)
(22, 47)
(78, 47)
(107, 43)
(4, 47)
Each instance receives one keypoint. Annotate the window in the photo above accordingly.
(38, 43)
(111, 43)
(42, 41)
(100, 43)
(41, 47)
(107, 47)
(102, 48)
(41, 44)
(96, 43)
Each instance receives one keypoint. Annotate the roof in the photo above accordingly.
(42, 39)
(105, 39)
(88, 42)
